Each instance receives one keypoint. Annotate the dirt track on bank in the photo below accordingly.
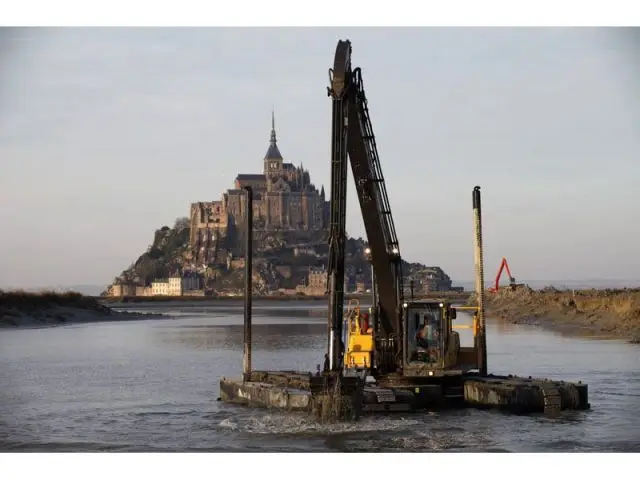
(602, 313)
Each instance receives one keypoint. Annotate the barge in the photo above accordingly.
(403, 355)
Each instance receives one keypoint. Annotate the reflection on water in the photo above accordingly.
(151, 386)
(231, 337)
(505, 328)
(261, 308)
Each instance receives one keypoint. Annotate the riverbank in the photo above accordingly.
(453, 296)
(20, 309)
(599, 313)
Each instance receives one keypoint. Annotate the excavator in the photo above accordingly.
(504, 265)
(407, 351)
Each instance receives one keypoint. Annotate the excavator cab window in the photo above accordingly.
(424, 333)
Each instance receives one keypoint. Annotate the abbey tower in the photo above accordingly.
(284, 198)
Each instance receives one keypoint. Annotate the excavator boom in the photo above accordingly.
(352, 137)
(504, 265)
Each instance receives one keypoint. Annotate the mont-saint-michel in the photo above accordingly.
(203, 254)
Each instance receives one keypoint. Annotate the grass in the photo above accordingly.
(21, 299)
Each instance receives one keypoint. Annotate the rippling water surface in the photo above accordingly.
(152, 386)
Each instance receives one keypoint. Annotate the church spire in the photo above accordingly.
(273, 153)
(273, 140)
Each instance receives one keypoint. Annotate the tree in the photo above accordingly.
(181, 223)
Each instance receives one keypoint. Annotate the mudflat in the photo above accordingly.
(601, 313)
(19, 309)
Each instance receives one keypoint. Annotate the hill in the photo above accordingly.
(282, 260)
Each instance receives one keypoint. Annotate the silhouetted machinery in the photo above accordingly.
(409, 351)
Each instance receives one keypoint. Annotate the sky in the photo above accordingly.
(109, 134)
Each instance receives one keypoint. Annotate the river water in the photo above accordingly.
(151, 385)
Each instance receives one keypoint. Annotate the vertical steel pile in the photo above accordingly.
(248, 274)
(481, 338)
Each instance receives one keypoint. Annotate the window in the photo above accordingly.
(424, 336)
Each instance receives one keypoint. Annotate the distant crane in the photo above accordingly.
(504, 265)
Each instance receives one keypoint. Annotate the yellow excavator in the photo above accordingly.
(433, 344)
(401, 348)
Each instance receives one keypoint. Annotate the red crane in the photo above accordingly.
(512, 281)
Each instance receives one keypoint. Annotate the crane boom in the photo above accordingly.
(352, 135)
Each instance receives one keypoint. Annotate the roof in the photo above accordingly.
(273, 153)
(251, 177)
(257, 195)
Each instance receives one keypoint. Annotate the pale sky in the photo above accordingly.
(109, 134)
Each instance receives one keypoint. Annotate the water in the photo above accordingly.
(151, 385)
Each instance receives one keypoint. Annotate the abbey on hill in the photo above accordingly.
(284, 199)
(203, 254)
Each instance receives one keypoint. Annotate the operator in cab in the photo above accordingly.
(422, 336)
(427, 333)
(427, 337)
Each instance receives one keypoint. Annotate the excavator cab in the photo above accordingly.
(429, 340)
(358, 338)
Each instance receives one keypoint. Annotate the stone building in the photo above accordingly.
(177, 285)
(430, 279)
(174, 286)
(122, 290)
(284, 198)
(192, 280)
(144, 291)
(316, 282)
(160, 287)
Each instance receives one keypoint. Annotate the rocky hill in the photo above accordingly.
(164, 256)
(281, 260)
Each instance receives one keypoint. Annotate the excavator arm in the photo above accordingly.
(352, 136)
(337, 216)
(376, 211)
(504, 265)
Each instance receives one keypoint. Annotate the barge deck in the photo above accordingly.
(330, 397)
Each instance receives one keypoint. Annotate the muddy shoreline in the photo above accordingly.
(20, 310)
(603, 314)
(58, 317)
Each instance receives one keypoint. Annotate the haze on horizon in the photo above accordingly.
(109, 134)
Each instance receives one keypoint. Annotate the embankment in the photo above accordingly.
(602, 313)
(47, 309)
